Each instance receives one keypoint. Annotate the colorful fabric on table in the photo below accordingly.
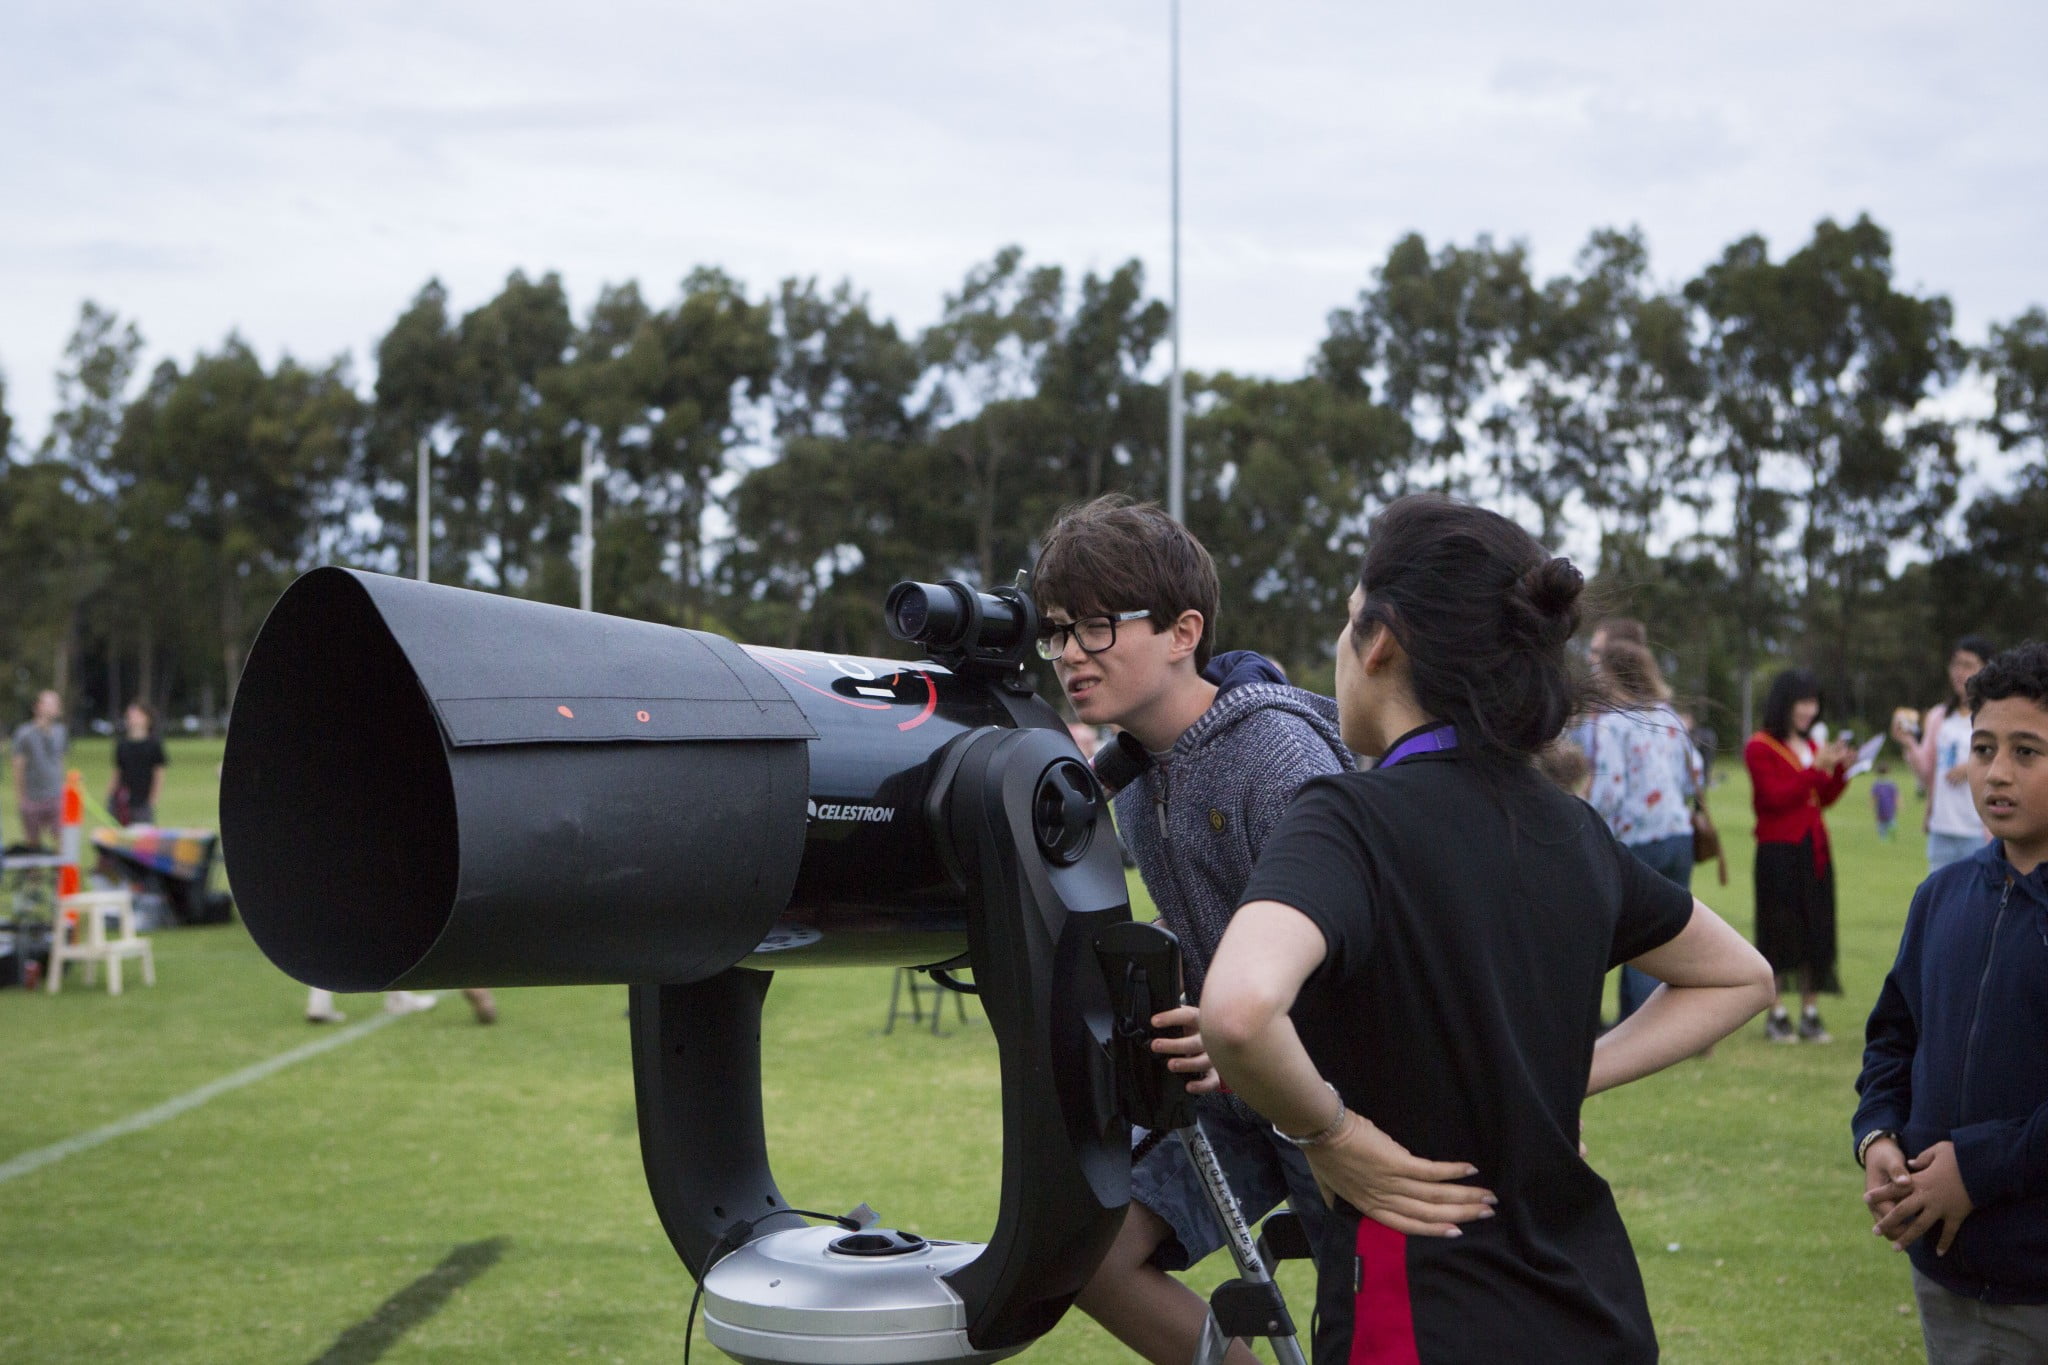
(180, 853)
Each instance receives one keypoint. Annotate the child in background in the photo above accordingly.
(1952, 1133)
(1884, 796)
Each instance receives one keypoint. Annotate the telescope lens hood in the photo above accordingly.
(426, 786)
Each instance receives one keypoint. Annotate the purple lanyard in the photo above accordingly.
(1427, 742)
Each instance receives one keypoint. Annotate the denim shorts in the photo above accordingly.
(1943, 849)
(1261, 1170)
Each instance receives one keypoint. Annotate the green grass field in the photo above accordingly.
(299, 1218)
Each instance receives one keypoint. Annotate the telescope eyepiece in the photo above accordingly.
(933, 614)
(970, 631)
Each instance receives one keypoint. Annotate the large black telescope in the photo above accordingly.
(426, 786)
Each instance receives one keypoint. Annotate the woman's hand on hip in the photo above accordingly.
(1389, 1184)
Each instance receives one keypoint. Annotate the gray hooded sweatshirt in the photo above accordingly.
(1197, 818)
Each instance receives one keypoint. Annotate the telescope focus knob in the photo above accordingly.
(1063, 811)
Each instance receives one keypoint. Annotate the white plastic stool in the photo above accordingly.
(80, 935)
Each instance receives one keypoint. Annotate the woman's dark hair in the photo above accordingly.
(1974, 644)
(1793, 685)
(148, 712)
(2021, 671)
(1483, 613)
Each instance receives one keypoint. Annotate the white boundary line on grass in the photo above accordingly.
(191, 1099)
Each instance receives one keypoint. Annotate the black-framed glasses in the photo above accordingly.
(1095, 633)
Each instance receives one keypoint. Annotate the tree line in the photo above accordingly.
(1769, 462)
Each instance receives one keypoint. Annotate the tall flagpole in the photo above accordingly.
(1176, 402)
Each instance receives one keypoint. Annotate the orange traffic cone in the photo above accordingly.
(70, 831)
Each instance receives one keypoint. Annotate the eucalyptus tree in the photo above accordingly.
(509, 447)
(239, 468)
(1820, 370)
(62, 536)
(1432, 336)
(674, 388)
(1604, 397)
(604, 408)
(985, 356)
(1109, 419)
(1281, 475)
(2016, 360)
(854, 497)
(414, 401)
(1996, 579)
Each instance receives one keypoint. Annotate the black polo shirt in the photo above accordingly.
(1471, 913)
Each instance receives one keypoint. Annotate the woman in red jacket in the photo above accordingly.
(1791, 780)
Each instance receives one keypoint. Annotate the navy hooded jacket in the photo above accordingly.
(1958, 1051)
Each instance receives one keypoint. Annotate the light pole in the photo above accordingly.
(420, 547)
(589, 555)
(1176, 402)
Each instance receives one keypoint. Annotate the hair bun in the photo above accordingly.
(1554, 586)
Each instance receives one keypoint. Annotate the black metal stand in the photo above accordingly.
(1141, 962)
(1021, 821)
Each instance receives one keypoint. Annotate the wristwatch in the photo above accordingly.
(1863, 1147)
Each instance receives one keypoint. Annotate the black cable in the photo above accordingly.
(951, 982)
(737, 1236)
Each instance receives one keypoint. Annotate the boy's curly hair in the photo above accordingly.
(2021, 671)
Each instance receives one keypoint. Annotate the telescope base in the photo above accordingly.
(789, 1298)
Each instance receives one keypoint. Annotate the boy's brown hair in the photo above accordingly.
(1114, 554)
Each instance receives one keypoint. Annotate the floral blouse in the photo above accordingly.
(1645, 772)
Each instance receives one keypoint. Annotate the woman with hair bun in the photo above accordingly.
(1427, 941)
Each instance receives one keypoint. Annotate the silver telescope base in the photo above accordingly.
(790, 1299)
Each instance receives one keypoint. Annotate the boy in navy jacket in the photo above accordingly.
(1952, 1132)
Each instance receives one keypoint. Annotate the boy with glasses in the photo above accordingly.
(1128, 604)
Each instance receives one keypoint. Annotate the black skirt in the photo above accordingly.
(1795, 916)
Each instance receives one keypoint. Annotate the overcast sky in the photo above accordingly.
(296, 171)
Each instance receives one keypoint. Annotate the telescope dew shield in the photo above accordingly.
(425, 786)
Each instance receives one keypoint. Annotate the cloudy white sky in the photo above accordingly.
(296, 171)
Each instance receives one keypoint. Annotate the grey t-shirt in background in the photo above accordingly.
(42, 755)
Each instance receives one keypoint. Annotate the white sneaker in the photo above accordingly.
(330, 1015)
(406, 1002)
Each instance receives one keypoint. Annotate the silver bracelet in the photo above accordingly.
(1321, 1135)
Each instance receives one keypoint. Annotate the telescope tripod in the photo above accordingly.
(1142, 965)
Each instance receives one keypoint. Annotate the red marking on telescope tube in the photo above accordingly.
(931, 704)
(565, 713)
(641, 716)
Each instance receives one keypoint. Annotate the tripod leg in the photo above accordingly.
(1253, 1295)
(1213, 1346)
